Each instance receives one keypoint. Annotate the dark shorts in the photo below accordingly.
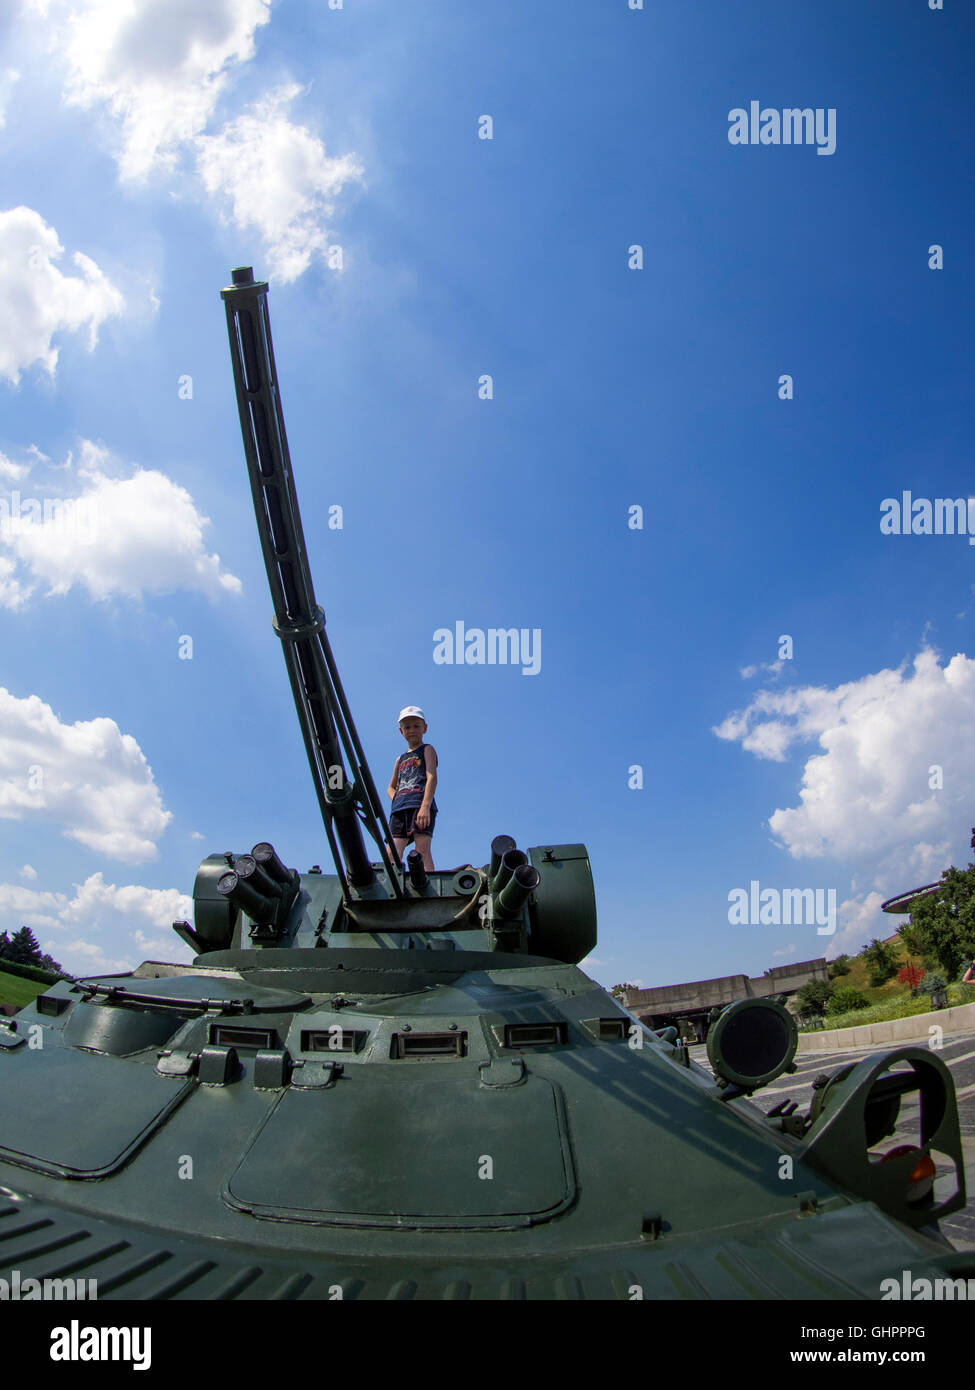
(401, 824)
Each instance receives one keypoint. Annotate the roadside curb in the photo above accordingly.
(960, 1019)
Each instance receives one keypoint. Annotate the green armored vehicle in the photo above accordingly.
(389, 1084)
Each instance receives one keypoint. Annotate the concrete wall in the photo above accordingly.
(960, 1019)
(725, 989)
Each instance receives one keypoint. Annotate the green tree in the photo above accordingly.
(941, 928)
(618, 990)
(882, 961)
(846, 999)
(839, 966)
(24, 948)
(814, 997)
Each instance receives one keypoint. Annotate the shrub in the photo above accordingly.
(846, 999)
(814, 997)
(31, 972)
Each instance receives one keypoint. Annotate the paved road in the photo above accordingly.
(958, 1053)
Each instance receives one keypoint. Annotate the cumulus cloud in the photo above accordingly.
(872, 790)
(120, 925)
(274, 177)
(37, 301)
(774, 668)
(28, 871)
(95, 901)
(127, 536)
(158, 67)
(31, 905)
(88, 777)
(13, 594)
(859, 921)
(15, 472)
(86, 958)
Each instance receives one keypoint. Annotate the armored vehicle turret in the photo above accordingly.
(392, 1082)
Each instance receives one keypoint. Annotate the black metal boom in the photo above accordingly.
(347, 803)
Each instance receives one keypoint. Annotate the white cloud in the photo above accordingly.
(774, 668)
(157, 66)
(14, 471)
(87, 958)
(13, 594)
(159, 947)
(129, 536)
(93, 780)
(30, 905)
(37, 301)
(28, 871)
(859, 921)
(276, 178)
(867, 792)
(125, 918)
(95, 902)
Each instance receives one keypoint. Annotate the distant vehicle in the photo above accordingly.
(386, 1083)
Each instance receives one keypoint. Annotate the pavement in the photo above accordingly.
(957, 1052)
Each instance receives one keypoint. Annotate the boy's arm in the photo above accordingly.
(391, 789)
(430, 760)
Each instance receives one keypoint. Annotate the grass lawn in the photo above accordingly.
(896, 1006)
(14, 989)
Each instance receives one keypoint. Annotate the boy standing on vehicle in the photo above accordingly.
(414, 780)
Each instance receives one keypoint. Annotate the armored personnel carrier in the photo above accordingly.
(388, 1083)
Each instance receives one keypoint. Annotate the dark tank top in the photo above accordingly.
(411, 780)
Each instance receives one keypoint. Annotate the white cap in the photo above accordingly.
(411, 712)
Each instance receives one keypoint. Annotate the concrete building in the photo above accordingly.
(687, 1006)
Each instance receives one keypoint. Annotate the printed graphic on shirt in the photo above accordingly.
(411, 780)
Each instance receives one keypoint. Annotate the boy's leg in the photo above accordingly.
(423, 847)
(400, 844)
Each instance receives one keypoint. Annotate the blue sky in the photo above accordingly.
(148, 147)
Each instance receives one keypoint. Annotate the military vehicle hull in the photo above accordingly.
(403, 1124)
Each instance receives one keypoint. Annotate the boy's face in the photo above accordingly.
(413, 729)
